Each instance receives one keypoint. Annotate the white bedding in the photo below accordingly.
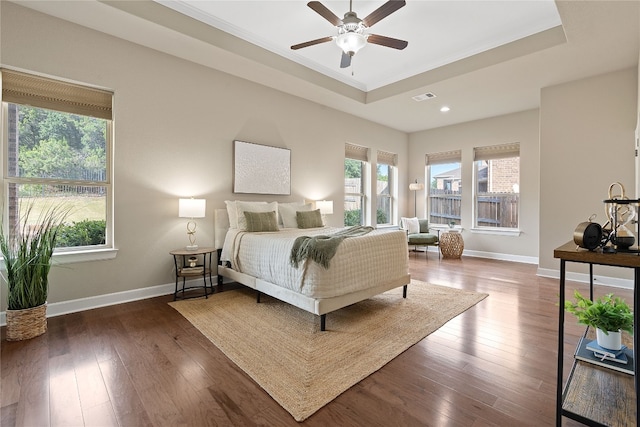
(359, 263)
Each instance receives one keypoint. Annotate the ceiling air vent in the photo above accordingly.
(424, 96)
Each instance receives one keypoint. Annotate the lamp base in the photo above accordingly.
(192, 247)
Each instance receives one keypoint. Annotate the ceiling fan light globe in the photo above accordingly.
(351, 42)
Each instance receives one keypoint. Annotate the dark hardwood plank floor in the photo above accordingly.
(142, 364)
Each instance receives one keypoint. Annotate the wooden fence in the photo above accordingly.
(494, 209)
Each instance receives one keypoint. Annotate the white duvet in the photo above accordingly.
(359, 263)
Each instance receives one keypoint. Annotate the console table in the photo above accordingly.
(593, 395)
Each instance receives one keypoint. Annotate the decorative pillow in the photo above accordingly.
(288, 211)
(231, 211)
(310, 219)
(412, 225)
(242, 207)
(261, 221)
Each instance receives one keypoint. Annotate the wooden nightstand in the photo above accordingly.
(192, 264)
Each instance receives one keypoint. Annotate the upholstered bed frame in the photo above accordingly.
(318, 306)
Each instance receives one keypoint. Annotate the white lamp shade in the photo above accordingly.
(415, 186)
(192, 208)
(325, 206)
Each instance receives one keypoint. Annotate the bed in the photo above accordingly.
(362, 267)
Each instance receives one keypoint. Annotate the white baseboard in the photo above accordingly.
(584, 278)
(489, 255)
(82, 304)
(502, 257)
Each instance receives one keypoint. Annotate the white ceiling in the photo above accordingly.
(438, 32)
(447, 52)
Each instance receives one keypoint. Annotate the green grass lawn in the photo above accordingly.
(82, 207)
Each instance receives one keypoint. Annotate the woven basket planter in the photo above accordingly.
(26, 324)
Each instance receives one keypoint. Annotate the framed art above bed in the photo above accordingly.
(261, 169)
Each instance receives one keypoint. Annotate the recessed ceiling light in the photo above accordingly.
(444, 109)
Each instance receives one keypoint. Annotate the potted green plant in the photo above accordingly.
(610, 316)
(27, 248)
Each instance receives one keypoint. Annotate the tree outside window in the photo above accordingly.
(57, 157)
(353, 192)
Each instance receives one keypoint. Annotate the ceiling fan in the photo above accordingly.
(351, 29)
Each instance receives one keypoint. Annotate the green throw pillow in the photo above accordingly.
(310, 219)
(261, 221)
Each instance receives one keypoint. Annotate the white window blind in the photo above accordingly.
(444, 157)
(356, 152)
(503, 151)
(386, 158)
(41, 92)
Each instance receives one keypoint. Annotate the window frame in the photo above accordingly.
(66, 254)
(360, 195)
(489, 153)
(389, 160)
(435, 159)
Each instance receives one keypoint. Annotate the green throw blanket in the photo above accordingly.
(322, 248)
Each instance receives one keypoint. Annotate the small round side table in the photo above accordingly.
(451, 244)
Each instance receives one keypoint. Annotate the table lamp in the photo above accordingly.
(191, 208)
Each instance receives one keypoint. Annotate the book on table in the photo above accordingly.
(619, 360)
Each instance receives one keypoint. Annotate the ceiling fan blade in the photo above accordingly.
(383, 11)
(323, 11)
(387, 41)
(311, 43)
(345, 61)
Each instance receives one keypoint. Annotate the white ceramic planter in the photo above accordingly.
(612, 341)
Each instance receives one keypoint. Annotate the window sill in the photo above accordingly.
(497, 231)
(386, 226)
(71, 257)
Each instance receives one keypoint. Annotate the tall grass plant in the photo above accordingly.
(27, 249)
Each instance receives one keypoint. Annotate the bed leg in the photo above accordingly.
(323, 322)
(258, 297)
(404, 291)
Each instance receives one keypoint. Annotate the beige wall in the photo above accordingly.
(586, 143)
(520, 127)
(175, 123)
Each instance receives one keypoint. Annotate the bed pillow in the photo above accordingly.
(231, 211)
(412, 225)
(261, 221)
(288, 211)
(310, 219)
(242, 207)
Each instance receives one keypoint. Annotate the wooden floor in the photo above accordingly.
(141, 363)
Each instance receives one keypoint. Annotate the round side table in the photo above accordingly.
(451, 244)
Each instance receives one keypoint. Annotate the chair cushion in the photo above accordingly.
(422, 239)
(424, 225)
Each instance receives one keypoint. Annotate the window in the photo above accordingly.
(497, 186)
(445, 187)
(385, 187)
(354, 193)
(56, 147)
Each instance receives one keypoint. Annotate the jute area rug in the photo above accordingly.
(282, 348)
